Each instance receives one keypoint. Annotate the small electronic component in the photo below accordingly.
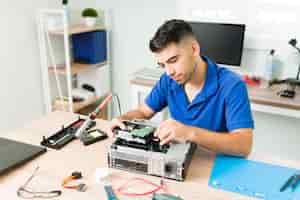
(287, 93)
(75, 175)
(92, 136)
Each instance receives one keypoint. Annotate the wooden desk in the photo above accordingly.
(56, 165)
(262, 99)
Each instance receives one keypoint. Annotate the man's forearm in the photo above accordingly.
(235, 143)
(134, 114)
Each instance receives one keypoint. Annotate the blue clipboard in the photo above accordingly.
(251, 178)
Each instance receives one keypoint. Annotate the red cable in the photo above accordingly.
(157, 188)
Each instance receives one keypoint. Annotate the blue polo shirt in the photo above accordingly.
(222, 105)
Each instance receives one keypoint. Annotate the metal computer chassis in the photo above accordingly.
(172, 164)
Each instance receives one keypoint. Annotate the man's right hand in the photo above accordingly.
(114, 123)
(142, 112)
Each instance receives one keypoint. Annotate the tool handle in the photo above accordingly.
(100, 107)
(110, 192)
(295, 181)
(287, 183)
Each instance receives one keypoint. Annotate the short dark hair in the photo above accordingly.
(171, 31)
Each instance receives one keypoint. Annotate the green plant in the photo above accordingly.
(89, 12)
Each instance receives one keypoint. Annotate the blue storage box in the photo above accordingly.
(89, 47)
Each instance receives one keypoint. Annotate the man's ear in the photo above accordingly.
(195, 48)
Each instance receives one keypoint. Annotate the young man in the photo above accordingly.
(208, 104)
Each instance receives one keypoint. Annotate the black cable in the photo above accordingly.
(298, 73)
(293, 43)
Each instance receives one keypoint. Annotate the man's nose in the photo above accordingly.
(170, 70)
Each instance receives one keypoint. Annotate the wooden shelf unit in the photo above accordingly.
(76, 29)
(76, 68)
(53, 24)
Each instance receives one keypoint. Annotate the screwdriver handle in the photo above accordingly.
(287, 183)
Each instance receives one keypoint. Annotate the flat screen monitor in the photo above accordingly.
(221, 42)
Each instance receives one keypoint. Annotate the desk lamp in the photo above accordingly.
(293, 82)
(293, 43)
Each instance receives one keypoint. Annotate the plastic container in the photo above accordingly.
(269, 67)
(89, 47)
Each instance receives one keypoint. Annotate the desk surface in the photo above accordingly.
(263, 96)
(57, 164)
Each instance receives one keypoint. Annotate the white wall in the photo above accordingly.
(20, 80)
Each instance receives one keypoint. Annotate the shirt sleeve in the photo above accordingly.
(238, 111)
(157, 98)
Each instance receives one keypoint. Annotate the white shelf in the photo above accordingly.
(76, 29)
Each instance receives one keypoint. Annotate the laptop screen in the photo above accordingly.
(13, 153)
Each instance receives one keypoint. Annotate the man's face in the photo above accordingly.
(178, 61)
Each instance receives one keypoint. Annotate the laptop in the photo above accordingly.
(13, 153)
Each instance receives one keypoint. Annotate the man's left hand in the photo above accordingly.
(172, 130)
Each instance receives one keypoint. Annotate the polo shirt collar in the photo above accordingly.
(210, 86)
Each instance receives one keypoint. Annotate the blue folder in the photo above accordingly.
(251, 178)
